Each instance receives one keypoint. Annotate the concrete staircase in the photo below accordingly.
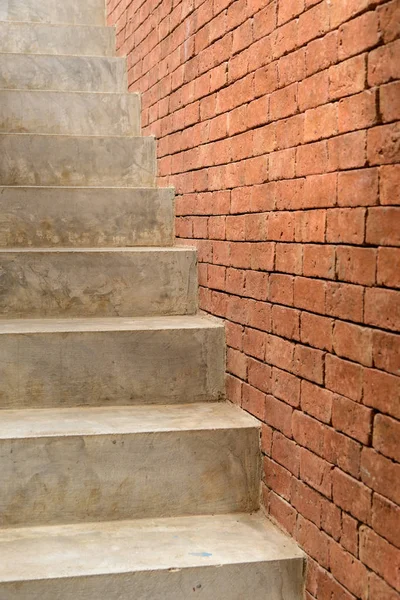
(124, 473)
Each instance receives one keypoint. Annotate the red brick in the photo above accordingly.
(381, 474)
(308, 432)
(266, 79)
(389, 102)
(284, 39)
(314, 90)
(313, 23)
(320, 122)
(259, 315)
(342, 451)
(234, 335)
(282, 164)
(344, 300)
(256, 227)
(310, 226)
(321, 53)
(281, 289)
(286, 387)
(309, 363)
(352, 496)
(283, 103)
(288, 10)
(356, 265)
(316, 472)
(382, 391)
(347, 151)
(286, 453)
(320, 191)
(277, 478)
(386, 519)
(309, 294)
(254, 343)
(349, 571)
(311, 159)
(285, 322)
(279, 352)
(358, 35)
(347, 77)
(234, 281)
(316, 401)
(352, 418)
(389, 267)
(386, 351)
(343, 377)
(236, 363)
(256, 285)
(386, 436)
(389, 20)
(314, 541)
(259, 375)
(306, 501)
(316, 331)
(382, 226)
(319, 261)
(382, 308)
(380, 590)
(383, 144)
(353, 342)
(278, 415)
(262, 256)
(265, 20)
(331, 519)
(357, 112)
(291, 68)
(253, 401)
(288, 258)
(383, 64)
(289, 194)
(358, 188)
(266, 438)
(349, 537)
(283, 513)
(380, 556)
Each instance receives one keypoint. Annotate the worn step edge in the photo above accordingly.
(84, 421)
(141, 545)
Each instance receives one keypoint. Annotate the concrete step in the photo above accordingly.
(63, 73)
(89, 12)
(34, 159)
(69, 113)
(97, 282)
(225, 557)
(86, 217)
(111, 361)
(79, 465)
(45, 38)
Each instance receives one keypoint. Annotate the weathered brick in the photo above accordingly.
(352, 495)
(380, 474)
(353, 342)
(352, 418)
(380, 556)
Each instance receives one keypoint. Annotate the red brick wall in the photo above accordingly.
(277, 125)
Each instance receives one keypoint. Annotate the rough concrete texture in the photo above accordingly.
(85, 217)
(214, 558)
(62, 73)
(69, 113)
(98, 282)
(28, 159)
(106, 362)
(108, 468)
(46, 38)
(89, 12)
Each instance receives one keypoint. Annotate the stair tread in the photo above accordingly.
(86, 421)
(141, 545)
(123, 249)
(81, 324)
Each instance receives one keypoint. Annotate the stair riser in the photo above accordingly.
(113, 477)
(111, 368)
(62, 73)
(98, 284)
(281, 579)
(76, 161)
(38, 38)
(83, 217)
(90, 12)
(69, 113)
